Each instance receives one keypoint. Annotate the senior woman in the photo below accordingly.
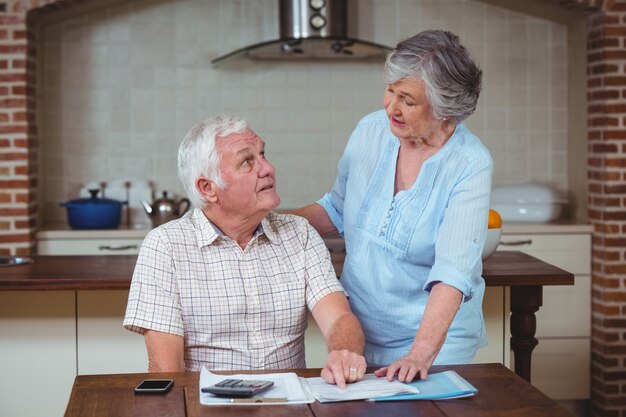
(411, 199)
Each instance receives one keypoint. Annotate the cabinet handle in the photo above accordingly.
(106, 247)
(517, 242)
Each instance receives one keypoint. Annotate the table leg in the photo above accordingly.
(525, 301)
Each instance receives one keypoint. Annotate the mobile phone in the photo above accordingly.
(238, 388)
(154, 386)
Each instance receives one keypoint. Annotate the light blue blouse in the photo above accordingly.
(399, 246)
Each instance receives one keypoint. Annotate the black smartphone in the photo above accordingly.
(154, 386)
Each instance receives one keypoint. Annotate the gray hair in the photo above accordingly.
(198, 155)
(451, 77)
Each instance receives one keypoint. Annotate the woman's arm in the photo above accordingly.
(443, 303)
(317, 217)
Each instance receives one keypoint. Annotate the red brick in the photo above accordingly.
(607, 310)
(614, 134)
(12, 103)
(14, 128)
(604, 148)
(19, 34)
(18, 63)
(14, 238)
(14, 184)
(13, 77)
(22, 116)
(604, 69)
(12, 20)
(13, 156)
(595, 162)
(22, 198)
(615, 162)
(605, 121)
(20, 143)
(594, 82)
(615, 80)
(13, 49)
(604, 95)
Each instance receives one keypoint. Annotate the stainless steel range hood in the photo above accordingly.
(311, 29)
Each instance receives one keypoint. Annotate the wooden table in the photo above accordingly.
(500, 393)
(525, 275)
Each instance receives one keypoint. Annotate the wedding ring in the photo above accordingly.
(352, 369)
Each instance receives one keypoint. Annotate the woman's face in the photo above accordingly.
(410, 114)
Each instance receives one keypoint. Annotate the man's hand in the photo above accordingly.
(343, 366)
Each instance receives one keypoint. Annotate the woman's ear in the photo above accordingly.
(207, 189)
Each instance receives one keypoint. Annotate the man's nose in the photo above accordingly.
(265, 168)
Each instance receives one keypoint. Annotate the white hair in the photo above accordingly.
(451, 77)
(198, 155)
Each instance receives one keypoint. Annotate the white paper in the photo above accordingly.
(370, 386)
(286, 385)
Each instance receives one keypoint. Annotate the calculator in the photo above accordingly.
(238, 388)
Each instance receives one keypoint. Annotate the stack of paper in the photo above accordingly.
(287, 388)
(439, 386)
(370, 386)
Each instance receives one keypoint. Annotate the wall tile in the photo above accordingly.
(122, 86)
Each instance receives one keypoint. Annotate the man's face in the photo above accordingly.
(250, 179)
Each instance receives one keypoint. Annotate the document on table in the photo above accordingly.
(287, 389)
(370, 386)
(439, 386)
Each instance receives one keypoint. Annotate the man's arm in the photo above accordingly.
(344, 338)
(165, 351)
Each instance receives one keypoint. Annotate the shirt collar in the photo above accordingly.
(207, 232)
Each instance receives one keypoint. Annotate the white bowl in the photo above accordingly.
(492, 242)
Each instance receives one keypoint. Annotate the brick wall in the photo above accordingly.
(606, 71)
(606, 168)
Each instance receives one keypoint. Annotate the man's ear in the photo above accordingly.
(207, 189)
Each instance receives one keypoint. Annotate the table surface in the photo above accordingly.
(114, 272)
(500, 393)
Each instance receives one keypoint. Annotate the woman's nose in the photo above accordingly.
(392, 107)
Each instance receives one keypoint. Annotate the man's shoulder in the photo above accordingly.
(175, 230)
(283, 222)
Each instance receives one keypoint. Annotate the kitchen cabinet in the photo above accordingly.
(37, 352)
(562, 359)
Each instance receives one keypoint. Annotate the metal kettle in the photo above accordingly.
(164, 209)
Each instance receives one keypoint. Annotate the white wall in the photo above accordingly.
(121, 85)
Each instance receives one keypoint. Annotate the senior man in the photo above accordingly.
(227, 286)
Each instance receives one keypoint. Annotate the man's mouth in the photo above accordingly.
(267, 187)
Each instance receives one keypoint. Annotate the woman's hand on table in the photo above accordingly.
(407, 368)
(343, 366)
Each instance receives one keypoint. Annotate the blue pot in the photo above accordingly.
(94, 212)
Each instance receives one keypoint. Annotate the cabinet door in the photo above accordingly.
(566, 310)
(37, 352)
(496, 321)
(561, 368)
(104, 346)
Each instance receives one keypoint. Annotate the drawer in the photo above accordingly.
(561, 368)
(88, 246)
(571, 252)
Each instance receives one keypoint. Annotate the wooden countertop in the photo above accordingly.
(500, 393)
(114, 272)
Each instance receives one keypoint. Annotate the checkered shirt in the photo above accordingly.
(236, 309)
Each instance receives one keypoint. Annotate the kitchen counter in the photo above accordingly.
(62, 231)
(114, 272)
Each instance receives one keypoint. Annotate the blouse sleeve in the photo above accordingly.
(461, 236)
